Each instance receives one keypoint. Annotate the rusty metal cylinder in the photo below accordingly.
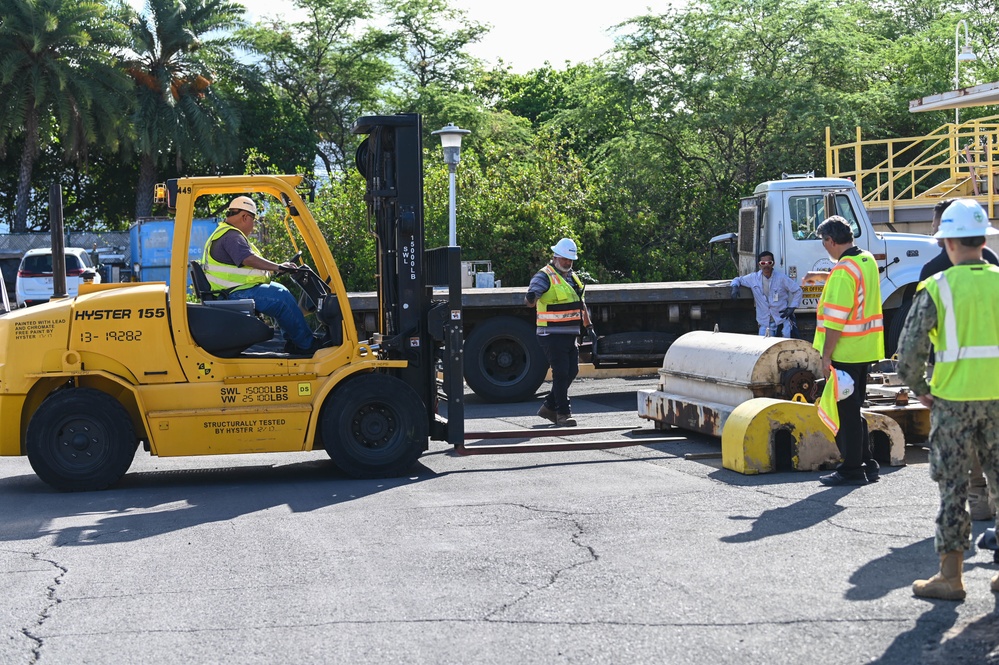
(729, 369)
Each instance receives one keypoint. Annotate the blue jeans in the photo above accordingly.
(276, 301)
(777, 329)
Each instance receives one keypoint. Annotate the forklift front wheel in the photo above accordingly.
(80, 439)
(374, 426)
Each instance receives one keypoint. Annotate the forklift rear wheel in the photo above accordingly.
(503, 360)
(374, 426)
(80, 439)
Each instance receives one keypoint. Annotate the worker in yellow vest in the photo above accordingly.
(556, 291)
(235, 269)
(958, 312)
(849, 333)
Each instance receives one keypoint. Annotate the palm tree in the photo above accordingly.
(59, 83)
(176, 46)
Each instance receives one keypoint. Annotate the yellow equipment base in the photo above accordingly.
(750, 436)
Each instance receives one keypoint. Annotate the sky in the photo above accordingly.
(526, 33)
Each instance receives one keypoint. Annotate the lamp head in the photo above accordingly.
(966, 54)
(451, 136)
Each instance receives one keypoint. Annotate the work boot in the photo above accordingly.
(836, 478)
(947, 584)
(872, 470)
(980, 502)
(565, 421)
(548, 414)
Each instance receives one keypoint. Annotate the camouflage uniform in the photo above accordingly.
(956, 428)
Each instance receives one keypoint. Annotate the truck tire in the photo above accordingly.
(503, 360)
(374, 426)
(80, 440)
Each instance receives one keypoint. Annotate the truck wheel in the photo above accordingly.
(503, 360)
(374, 426)
(895, 327)
(80, 439)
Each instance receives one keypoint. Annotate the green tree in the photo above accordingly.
(539, 95)
(272, 124)
(58, 83)
(331, 73)
(179, 115)
(431, 40)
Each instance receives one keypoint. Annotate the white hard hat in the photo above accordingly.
(244, 203)
(844, 385)
(566, 248)
(964, 218)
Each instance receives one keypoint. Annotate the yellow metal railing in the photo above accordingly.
(952, 160)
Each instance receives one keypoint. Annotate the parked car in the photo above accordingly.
(34, 276)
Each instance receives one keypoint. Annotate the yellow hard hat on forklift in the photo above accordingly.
(244, 203)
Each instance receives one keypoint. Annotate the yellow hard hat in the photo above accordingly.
(244, 203)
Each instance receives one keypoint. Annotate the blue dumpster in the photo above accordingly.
(152, 243)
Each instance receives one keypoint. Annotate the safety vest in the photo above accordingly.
(561, 305)
(966, 337)
(851, 303)
(224, 276)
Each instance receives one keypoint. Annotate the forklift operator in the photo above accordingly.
(235, 268)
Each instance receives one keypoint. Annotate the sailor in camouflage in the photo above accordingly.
(957, 311)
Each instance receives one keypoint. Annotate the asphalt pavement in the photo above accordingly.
(640, 554)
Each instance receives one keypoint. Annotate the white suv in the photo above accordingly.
(34, 276)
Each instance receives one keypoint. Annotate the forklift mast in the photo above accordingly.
(425, 332)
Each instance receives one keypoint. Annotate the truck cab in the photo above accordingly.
(781, 216)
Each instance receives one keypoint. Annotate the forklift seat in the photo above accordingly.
(225, 332)
(203, 289)
(199, 279)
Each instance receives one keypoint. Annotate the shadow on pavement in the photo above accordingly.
(934, 640)
(146, 504)
(895, 570)
(797, 516)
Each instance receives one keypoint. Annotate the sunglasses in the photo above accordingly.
(766, 263)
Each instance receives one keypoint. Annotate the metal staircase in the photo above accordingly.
(902, 179)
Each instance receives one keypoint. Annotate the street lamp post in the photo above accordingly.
(451, 136)
(964, 54)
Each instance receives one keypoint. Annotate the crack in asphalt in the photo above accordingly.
(52, 598)
(511, 622)
(575, 538)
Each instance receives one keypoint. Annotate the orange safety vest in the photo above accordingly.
(851, 303)
(561, 305)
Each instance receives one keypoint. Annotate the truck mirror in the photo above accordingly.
(729, 239)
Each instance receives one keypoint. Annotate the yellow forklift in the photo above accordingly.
(85, 380)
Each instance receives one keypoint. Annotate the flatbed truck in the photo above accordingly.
(637, 322)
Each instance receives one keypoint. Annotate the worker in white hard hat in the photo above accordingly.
(235, 269)
(957, 311)
(980, 502)
(556, 291)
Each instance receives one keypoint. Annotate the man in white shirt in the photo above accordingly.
(776, 296)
